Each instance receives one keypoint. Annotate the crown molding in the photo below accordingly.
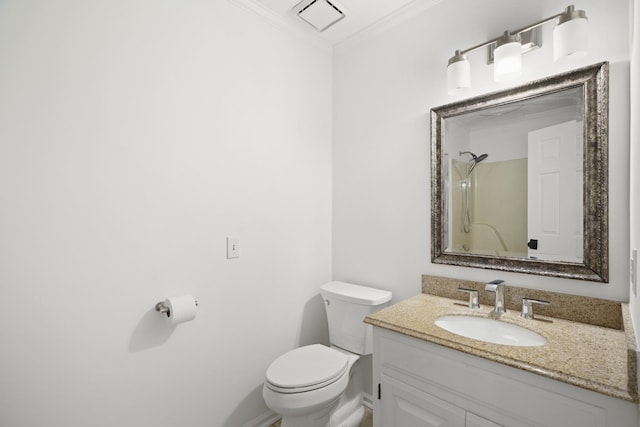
(283, 24)
(406, 12)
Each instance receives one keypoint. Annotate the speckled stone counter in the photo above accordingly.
(597, 358)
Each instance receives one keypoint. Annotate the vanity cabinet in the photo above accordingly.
(407, 406)
(421, 384)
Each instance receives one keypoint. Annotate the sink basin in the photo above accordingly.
(490, 330)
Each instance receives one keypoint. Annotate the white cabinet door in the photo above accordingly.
(405, 406)
(475, 421)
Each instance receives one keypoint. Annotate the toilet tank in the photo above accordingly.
(347, 305)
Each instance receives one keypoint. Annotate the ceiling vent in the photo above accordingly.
(320, 14)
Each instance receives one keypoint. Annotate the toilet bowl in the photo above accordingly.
(320, 386)
(305, 384)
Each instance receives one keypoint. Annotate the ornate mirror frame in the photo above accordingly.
(594, 81)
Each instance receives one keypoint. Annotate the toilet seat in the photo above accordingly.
(306, 368)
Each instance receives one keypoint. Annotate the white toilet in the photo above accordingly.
(320, 386)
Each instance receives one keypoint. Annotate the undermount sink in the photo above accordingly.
(490, 330)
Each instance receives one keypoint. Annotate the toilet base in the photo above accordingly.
(319, 418)
(353, 420)
(342, 408)
(350, 410)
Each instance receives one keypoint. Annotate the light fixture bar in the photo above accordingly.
(569, 37)
(527, 31)
(568, 12)
(481, 45)
(542, 22)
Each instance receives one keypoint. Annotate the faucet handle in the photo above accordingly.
(494, 285)
(527, 306)
(473, 297)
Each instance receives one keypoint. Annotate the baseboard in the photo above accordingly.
(367, 400)
(263, 420)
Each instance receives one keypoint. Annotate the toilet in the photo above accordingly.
(320, 386)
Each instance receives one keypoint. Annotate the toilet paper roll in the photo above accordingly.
(181, 309)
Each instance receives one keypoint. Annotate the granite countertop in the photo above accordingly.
(597, 358)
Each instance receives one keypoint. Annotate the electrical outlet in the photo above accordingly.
(233, 247)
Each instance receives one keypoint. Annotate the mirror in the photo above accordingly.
(519, 178)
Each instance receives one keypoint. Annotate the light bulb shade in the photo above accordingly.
(507, 63)
(458, 74)
(571, 38)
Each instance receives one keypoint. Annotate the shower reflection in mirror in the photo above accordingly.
(508, 169)
(466, 188)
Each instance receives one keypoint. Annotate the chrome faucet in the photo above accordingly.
(497, 287)
(473, 297)
(527, 308)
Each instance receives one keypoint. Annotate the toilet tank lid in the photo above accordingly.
(355, 293)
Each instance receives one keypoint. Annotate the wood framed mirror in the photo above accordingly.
(519, 178)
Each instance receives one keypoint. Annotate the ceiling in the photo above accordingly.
(360, 14)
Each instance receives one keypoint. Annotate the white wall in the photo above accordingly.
(134, 137)
(634, 298)
(385, 84)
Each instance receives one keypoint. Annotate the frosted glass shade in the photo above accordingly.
(458, 77)
(571, 39)
(507, 63)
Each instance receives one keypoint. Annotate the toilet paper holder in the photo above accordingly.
(161, 308)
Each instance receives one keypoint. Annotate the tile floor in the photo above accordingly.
(367, 421)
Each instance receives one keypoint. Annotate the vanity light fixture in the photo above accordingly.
(507, 57)
(570, 37)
